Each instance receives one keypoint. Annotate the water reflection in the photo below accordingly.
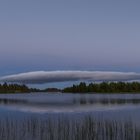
(42, 103)
(82, 100)
(69, 117)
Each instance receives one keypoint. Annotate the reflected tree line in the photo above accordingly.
(105, 87)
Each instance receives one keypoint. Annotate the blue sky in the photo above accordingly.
(69, 35)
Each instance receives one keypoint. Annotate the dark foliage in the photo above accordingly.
(14, 88)
(105, 87)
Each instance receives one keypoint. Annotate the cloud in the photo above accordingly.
(41, 77)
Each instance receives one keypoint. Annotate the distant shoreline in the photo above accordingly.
(104, 87)
(83, 88)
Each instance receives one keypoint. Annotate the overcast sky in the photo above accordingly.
(46, 35)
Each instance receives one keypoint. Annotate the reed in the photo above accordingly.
(65, 128)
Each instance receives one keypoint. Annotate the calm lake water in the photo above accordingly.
(57, 116)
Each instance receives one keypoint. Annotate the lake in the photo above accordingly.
(57, 116)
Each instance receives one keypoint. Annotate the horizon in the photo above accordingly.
(61, 79)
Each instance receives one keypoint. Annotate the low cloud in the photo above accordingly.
(41, 77)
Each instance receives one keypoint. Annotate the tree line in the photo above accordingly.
(15, 88)
(104, 87)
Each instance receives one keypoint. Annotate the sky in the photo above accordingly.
(49, 35)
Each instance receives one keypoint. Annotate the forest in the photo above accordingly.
(16, 88)
(104, 87)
